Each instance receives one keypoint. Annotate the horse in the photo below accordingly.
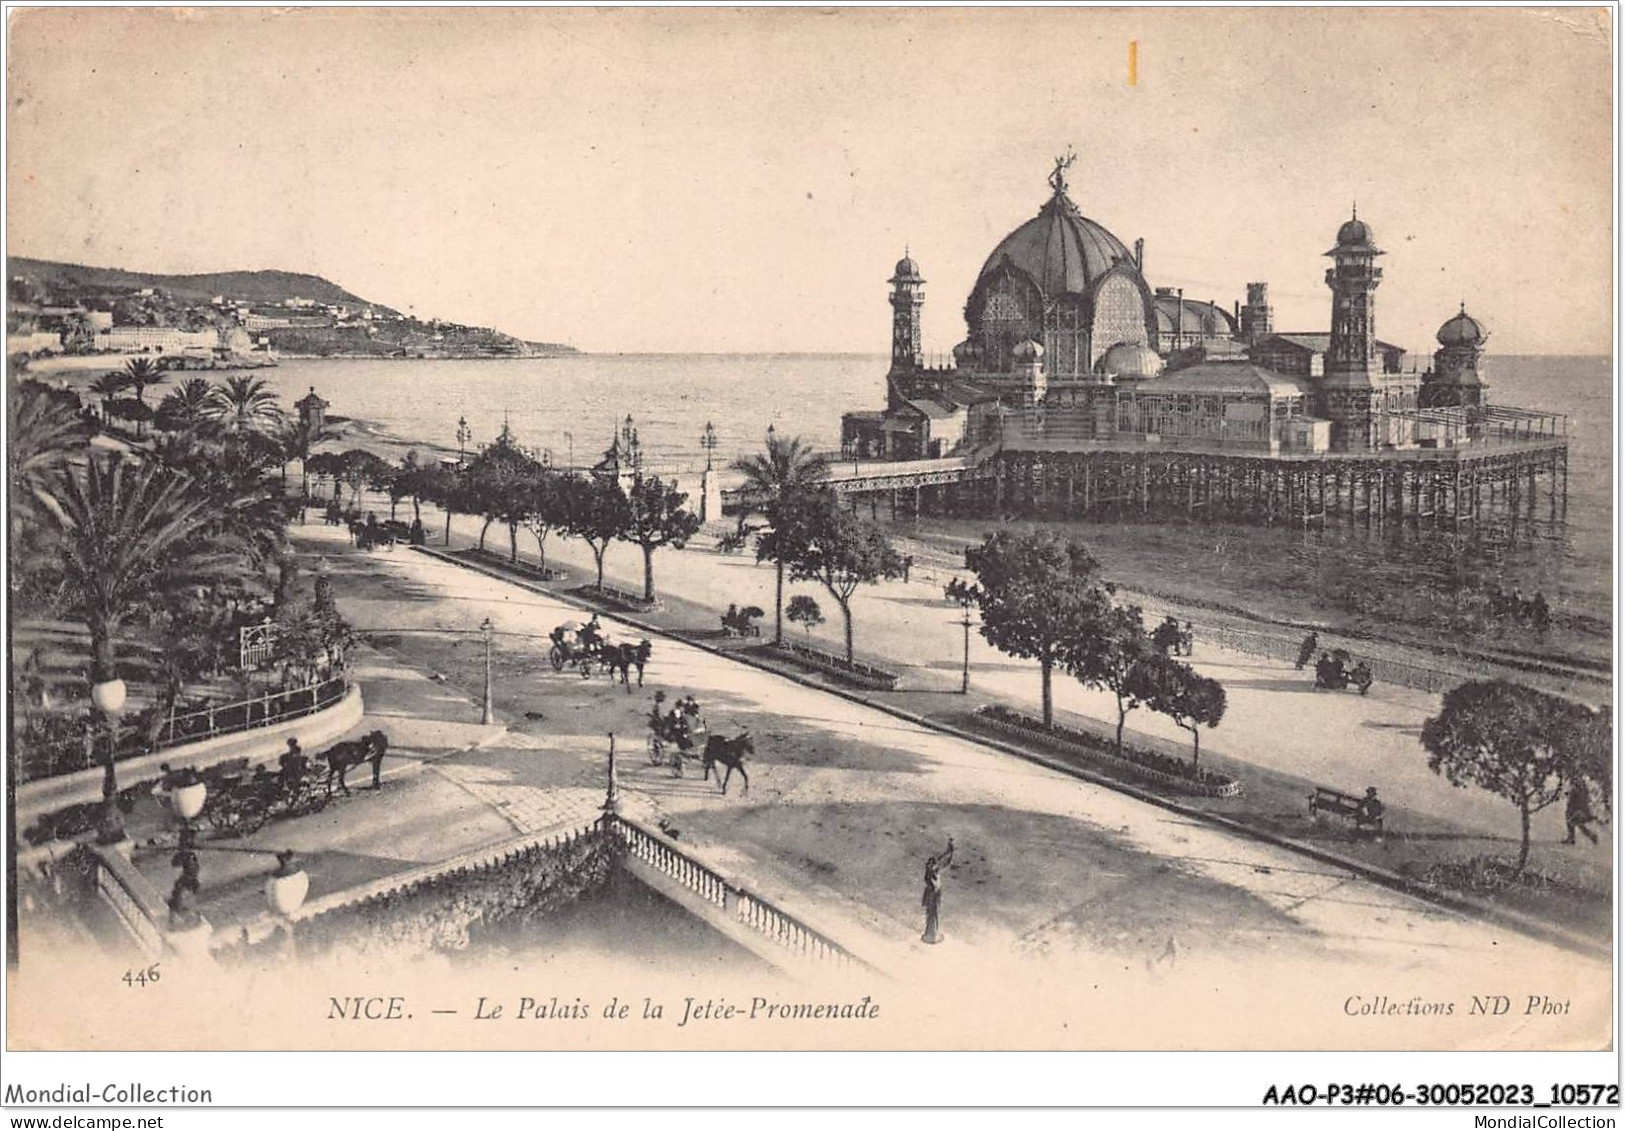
(729, 752)
(346, 756)
(623, 658)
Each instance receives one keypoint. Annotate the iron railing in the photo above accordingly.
(80, 752)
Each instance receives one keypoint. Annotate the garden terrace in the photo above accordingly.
(1145, 765)
(88, 749)
(854, 671)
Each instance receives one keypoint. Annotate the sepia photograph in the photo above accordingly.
(803, 530)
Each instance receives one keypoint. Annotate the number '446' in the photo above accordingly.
(141, 977)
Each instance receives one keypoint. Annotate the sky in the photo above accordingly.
(713, 180)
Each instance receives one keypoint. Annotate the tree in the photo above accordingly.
(1040, 599)
(803, 610)
(1116, 655)
(825, 542)
(496, 486)
(783, 470)
(44, 434)
(546, 508)
(1189, 698)
(1514, 741)
(44, 431)
(108, 386)
(141, 374)
(300, 436)
(186, 406)
(246, 405)
(596, 511)
(360, 468)
(128, 532)
(657, 515)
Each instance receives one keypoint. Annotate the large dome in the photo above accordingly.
(1462, 330)
(1060, 249)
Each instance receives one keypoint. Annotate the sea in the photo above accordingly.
(571, 407)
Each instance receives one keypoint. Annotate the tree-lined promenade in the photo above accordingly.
(1041, 598)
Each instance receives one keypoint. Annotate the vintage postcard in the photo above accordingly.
(862, 529)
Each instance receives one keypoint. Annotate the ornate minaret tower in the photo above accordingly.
(907, 300)
(1353, 379)
(1455, 378)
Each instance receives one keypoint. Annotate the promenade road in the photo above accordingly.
(1274, 719)
(1054, 876)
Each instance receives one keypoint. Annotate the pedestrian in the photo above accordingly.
(908, 564)
(1187, 638)
(293, 764)
(1306, 650)
(379, 745)
(932, 899)
(1578, 813)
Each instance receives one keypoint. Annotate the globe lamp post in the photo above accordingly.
(487, 715)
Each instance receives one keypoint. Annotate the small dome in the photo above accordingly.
(1462, 330)
(1354, 231)
(907, 269)
(1354, 238)
(1134, 362)
(1027, 351)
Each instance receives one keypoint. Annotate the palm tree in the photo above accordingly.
(784, 470)
(246, 405)
(140, 374)
(299, 436)
(44, 432)
(108, 386)
(126, 527)
(187, 406)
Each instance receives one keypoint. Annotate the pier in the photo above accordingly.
(1517, 480)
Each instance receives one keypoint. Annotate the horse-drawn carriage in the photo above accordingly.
(575, 645)
(742, 622)
(372, 533)
(673, 734)
(240, 802)
(585, 646)
(1333, 673)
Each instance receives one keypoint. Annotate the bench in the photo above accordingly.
(1365, 812)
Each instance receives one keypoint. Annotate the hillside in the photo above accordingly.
(268, 311)
(270, 287)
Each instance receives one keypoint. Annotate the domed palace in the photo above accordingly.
(1073, 366)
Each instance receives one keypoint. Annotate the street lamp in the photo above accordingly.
(108, 698)
(487, 716)
(965, 595)
(708, 441)
(464, 435)
(612, 792)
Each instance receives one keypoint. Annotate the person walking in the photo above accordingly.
(1578, 814)
(931, 900)
(1306, 650)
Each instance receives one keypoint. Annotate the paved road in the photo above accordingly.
(846, 802)
(1274, 719)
